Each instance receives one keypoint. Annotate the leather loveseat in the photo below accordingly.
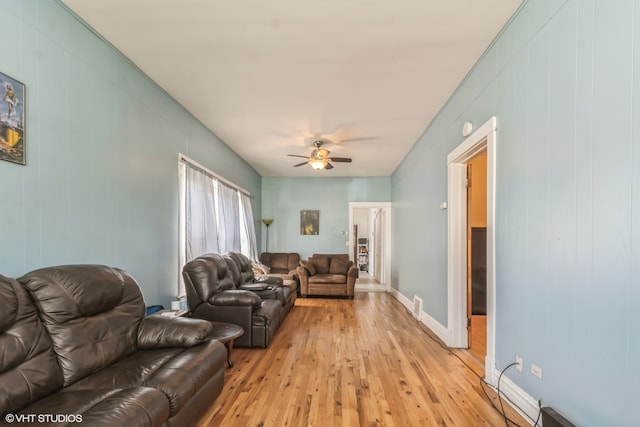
(212, 294)
(76, 347)
(328, 274)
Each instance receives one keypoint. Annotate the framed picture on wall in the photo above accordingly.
(310, 223)
(12, 142)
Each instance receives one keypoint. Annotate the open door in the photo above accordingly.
(477, 256)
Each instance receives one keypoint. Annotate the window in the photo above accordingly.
(215, 215)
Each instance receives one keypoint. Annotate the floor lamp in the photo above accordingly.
(267, 222)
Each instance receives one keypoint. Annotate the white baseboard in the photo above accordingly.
(527, 404)
(370, 287)
(431, 323)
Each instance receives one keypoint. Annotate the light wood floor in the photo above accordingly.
(478, 347)
(360, 362)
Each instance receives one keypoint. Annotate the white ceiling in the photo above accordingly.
(269, 76)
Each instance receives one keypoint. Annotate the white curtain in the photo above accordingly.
(215, 216)
(201, 229)
(249, 246)
(228, 219)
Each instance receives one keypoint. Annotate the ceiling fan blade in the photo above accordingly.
(329, 166)
(341, 159)
(295, 155)
(361, 138)
(300, 164)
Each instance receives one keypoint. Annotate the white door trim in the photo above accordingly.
(386, 250)
(482, 139)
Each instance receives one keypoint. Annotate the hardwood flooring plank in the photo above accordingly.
(361, 362)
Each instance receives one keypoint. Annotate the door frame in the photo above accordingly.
(386, 242)
(482, 139)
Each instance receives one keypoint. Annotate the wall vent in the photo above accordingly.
(417, 306)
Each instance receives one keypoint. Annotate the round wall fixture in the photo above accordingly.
(467, 128)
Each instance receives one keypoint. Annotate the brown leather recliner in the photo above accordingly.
(246, 279)
(328, 274)
(212, 295)
(75, 340)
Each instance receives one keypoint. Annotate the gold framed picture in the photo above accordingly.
(309, 223)
(12, 142)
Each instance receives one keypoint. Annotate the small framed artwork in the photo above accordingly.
(12, 142)
(309, 223)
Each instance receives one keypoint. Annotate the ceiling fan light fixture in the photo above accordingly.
(318, 164)
(321, 152)
(320, 158)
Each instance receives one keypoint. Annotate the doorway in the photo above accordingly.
(370, 244)
(482, 140)
(476, 185)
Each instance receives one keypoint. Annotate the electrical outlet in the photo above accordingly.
(536, 370)
(519, 363)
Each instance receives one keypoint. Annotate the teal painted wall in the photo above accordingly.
(563, 80)
(100, 184)
(284, 198)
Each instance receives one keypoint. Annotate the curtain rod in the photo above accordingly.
(183, 158)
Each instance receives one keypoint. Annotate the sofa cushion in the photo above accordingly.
(186, 373)
(143, 406)
(328, 279)
(321, 263)
(177, 372)
(339, 264)
(244, 267)
(281, 263)
(91, 313)
(209, 275)
(28, 366)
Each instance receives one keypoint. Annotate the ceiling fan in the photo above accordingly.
(319, 158)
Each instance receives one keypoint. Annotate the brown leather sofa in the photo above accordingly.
(75, 342)
(213, 294)
(283, 265)
(328, 275)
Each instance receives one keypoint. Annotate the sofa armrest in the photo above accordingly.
(164, 332)
(266, 290)
(352, 273)
(306, 270)
(303, 276)
(253, 287)
(235, 297)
